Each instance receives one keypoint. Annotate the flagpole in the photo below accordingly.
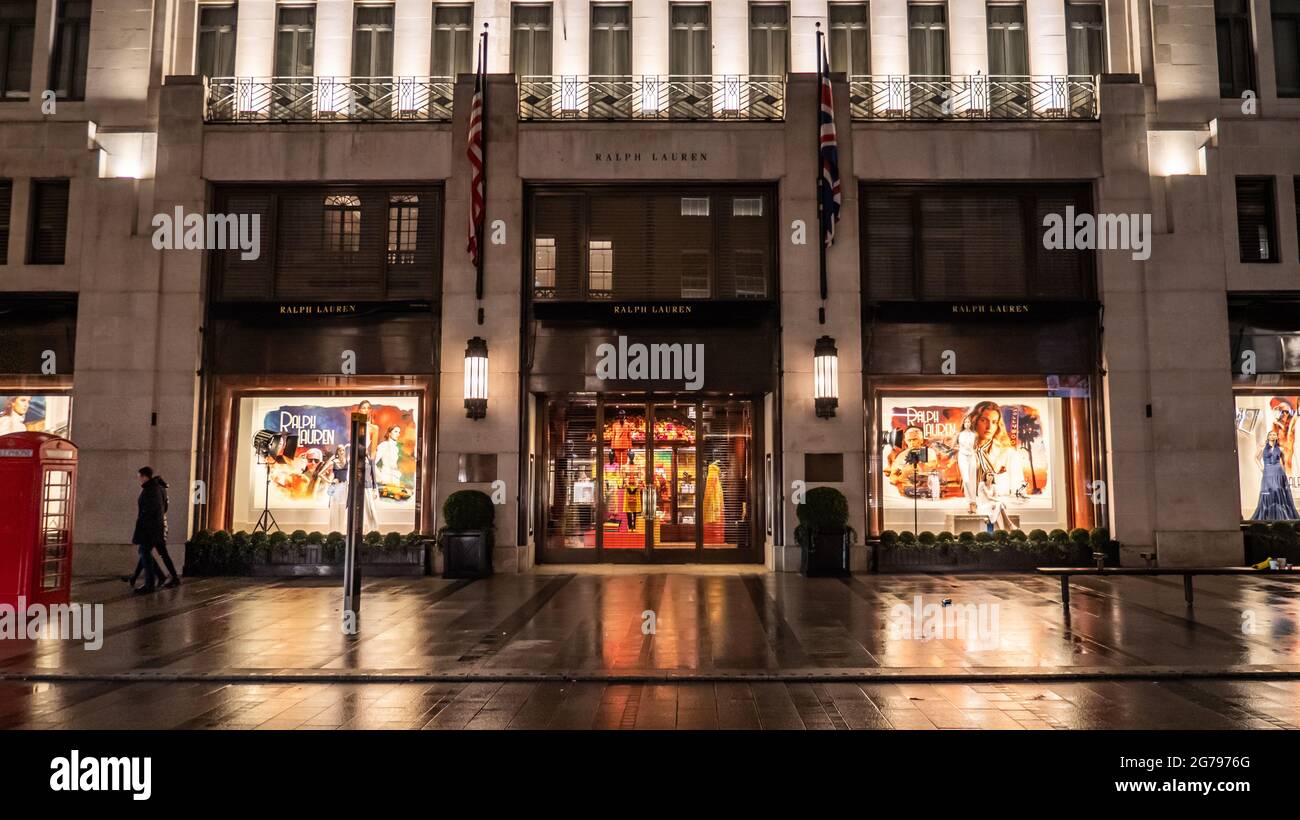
(821, 182)
(483, 138)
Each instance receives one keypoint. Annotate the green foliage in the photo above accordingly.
(945, 537)
(278, 540)
(1001, 537)
(966, 538)
(888, 538)
(824, 508)
(1059, 536)
(927, 538)
(315, 538)
(906, 537)
(1038, 535)
(298, 537)
(984, 538)
(468, 510)
(1019, 536)
(1080, 536)
(394, 542)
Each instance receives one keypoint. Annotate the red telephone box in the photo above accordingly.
(38, 480)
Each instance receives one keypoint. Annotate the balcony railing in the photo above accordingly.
(652, 97)
(329, 99)
(973, 97)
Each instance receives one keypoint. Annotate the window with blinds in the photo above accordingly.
(49, 221)
(17, 38)
(71, 49)
(1256, 220)
(651, 244)
(977, 241)
(6, 203)
(369, 243)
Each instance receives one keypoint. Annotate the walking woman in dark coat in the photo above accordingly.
(151, 531)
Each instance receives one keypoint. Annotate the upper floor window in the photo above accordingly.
(648, 242)
(215, 55)
(1256, 220)
(342, 223)
(530, 40)
(850, 38)
(1286, 46)
(769, 39)
(372, 42)
(71, 50)
(1236, 54)
(611, 40)
(1085, 38)
(1007, 49)
(690, 43)
(49, 221)
(295, 41)
(927, 39)
(453, 40)
(17, 34)
(403, 228)
(6, 200)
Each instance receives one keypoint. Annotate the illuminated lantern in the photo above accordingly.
(826, 377)
(476, 378)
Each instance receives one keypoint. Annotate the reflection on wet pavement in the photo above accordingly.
(718, 621)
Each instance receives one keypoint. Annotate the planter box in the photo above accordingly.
(466, 554)
(828, 556)
(950, 558)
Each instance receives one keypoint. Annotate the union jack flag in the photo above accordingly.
(829, 190)
(477, 160)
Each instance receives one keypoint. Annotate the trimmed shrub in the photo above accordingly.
(1079, 535)
(1059, 536)
(945, 537)
(966, 538)
(470, 510)
(824, 508)
(984, 538)
(906, 537)
(278, 540)
(888, 538)
(927, 538)
(316, 538)
(1038, 535)
(394, 542)
(1019, 536)
(298, 537)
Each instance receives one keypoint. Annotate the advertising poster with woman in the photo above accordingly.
(26, 412)
(954, 456)
(1267, 461)
(309, 489)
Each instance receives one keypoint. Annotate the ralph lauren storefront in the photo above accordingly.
(652, 370)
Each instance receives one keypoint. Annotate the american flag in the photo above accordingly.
(474, 151)
(829, 190)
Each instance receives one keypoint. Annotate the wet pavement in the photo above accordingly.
(719, 623)
(594, 705)
(672, 648)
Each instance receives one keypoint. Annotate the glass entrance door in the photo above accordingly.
(674, 481)
(628, 481)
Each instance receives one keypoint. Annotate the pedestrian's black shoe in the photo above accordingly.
(142, 590)
(126, 579)
(174, 582)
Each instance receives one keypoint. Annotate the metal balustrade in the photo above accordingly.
(652, 97)
(973, 97)
(329, 99)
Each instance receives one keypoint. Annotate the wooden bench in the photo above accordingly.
(1290, 574)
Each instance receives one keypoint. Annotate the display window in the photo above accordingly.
(636, 480)
(973, 462)
(1267, 461)
(308, 490)
(35, 413)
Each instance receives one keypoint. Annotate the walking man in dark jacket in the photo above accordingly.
(151, 530)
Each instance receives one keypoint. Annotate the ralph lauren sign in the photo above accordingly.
(652, 156)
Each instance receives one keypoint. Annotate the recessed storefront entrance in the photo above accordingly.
(645, 479)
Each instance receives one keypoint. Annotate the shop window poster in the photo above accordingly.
(1267, 460)
(306, 482)
(25, 412)
(938, 450)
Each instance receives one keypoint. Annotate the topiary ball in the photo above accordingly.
(468, 510)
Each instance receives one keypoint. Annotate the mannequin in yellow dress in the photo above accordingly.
(632, 498)
(713, 494)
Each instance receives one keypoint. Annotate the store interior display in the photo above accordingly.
(655, 488)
